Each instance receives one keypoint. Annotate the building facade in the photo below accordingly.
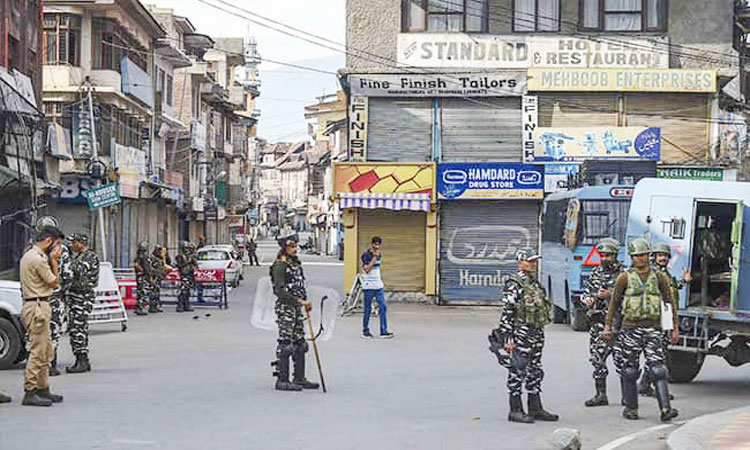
(498, 93)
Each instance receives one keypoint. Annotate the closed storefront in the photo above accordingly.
(485, 216)
(399, 130)
(403, 234)
(683, 119)
(481, 129)
(580, 109)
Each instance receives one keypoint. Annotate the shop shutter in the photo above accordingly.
(560, 109)
(403, 236)
(481, 129)
(683, 119)
(399, 130)
(478, 243)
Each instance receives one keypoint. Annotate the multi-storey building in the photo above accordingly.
(523, 87)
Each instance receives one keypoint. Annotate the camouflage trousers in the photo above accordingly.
(144, 288)
(81, 304)
(529, 345)
(600, 350)
(57, 304)
(187, 283)
(154, 297)
(648, 341)
(291, 322)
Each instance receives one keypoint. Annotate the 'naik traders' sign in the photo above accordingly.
(497, 84)
(637, 80)
(692, 173)
(491, 181)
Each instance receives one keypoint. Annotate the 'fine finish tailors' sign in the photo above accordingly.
(496, 84)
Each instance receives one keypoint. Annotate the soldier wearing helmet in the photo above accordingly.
(638, 296)
(143, 276)
(159, 274)
(82, 296)
(660, 256)
(597, 291)
(186, 263)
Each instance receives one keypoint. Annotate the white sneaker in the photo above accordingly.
(387, 335)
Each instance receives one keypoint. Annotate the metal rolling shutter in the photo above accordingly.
(683, 119)
(560, 109)
(482, 129)
(399, 130)
(403, 236)
(478, 243)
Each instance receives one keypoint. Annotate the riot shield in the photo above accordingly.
(325, 301)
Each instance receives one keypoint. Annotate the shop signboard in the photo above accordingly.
(383, 178)
(484, 51)
(623, 80)
(572, 144)
(103, 196)
(556, 176)
(490, 181)
(530, 121)
(485, 84)
(131, 165)
(358, 128)
(696, 173)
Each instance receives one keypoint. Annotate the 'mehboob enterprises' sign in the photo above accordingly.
(497, 84)
(618, 80)
(484, 51)
(489, 181)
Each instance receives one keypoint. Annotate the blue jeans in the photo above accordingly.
(369, 294)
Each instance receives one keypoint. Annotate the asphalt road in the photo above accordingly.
(203, 381)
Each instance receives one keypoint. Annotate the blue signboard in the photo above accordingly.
(136, 82)
(489, 181)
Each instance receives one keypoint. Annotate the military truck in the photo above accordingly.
(705, 225)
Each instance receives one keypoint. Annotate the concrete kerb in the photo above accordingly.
(698, 433)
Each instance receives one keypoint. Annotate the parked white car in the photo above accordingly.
(224, 257)
(12, 346)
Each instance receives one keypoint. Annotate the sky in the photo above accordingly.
(284, 90)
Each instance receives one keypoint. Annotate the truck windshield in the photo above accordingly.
(602, 218)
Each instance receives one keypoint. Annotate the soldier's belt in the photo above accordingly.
(37, 299)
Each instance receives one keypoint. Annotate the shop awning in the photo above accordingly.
(394, 202)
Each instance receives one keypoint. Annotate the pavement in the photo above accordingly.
(203, 381)
(727, 430)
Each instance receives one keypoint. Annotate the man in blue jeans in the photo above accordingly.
(372, 284)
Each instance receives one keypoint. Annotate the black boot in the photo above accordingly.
(600, 399)
(630, 393)
(31, 398)
(622, 391)
(644, 386)
(282, 375)
(139, 311)
(180, 304)
(5, 398)
(53, 370)
(299, 370)
(45, 393)
(186, 305)
(81, 365)
(516, 413)
(537, 411)
(662, 397)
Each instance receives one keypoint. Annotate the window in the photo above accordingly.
(110, 43)
(603, 218)
(61, 39)
(169, 90)
(623, 15)
(555, 215)
(536, 15)
(446, 15)
(160, 81)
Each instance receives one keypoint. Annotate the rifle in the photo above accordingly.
(513, 360)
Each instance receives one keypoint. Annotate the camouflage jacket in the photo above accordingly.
(601, 278)
(85, 271)
(513, 295)
(187, 263)
(65, 268)
(142, 264)
(159, 269)
(673, 281)
(288, 280)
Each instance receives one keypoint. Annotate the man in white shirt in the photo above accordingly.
(372, 284)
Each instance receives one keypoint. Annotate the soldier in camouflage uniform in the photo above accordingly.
(143, 277)
(288, 281)
(526, 311)
(638, 296)
(158, 275)
(187, 263)
(59, 300)
(81, 301)
(660, 255)
(596, 294)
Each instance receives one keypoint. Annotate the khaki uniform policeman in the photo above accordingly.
(526, 311)
(638, 296)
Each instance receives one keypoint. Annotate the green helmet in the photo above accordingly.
(662, 248)
(143, 246)
(608, 245)
(639, 247)
(185, 246)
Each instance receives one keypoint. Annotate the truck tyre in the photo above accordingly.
(10, 343)
(578, 319)
(683, 366)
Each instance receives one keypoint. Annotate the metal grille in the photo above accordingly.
(399, 130)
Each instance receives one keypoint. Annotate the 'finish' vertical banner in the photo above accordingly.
(530, 121)
(358, 129)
